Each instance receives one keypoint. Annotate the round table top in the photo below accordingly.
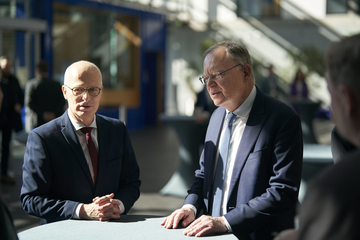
(127, 227)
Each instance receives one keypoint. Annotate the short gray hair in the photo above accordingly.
(236, 51)
(343, 62)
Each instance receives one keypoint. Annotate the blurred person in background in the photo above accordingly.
(330, 209)
(80, 165)
(46, 99)
(298, 88)
(269, 84)
(31, 84)
(15, 102)
(250, 168)
(204, 106)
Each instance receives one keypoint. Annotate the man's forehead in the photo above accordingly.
(84, 72)
(217, 60)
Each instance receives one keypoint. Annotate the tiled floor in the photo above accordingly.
(157, 153)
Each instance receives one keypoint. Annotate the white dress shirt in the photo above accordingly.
(238, 127)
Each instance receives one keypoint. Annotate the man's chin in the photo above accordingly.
(84, 115)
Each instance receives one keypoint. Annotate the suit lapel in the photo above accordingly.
(70, 136)
(212, 142)
(255, 122)
(103, 143)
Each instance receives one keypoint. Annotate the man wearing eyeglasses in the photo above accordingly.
(80, 165)
(250, 168)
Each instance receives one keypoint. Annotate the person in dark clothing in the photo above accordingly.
(11, 119)
(46, 100)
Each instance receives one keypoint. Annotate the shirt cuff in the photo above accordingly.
(191, 207)
(121, 206)
(77, 211)
(227, 225)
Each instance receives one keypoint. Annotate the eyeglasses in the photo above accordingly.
(215, 76)
(77, 91)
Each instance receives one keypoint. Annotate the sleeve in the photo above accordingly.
(36, 189)
(129, 186)
(283, 186)
(195, 193)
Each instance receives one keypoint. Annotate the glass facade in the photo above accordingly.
(259, 8)
(108, 39)
(336, 6)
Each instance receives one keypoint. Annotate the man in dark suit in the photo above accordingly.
(12, 119)
(46, 100)
(68, 173)
(250, 168)
(330, 208)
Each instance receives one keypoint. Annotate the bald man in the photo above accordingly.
(80, 165)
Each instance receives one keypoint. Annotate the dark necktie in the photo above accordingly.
(92, 149)
(221, 167)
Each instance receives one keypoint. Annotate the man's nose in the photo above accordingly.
(85, 95)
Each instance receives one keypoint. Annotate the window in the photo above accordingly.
(336, 6)
(106, 38)
(259, 8)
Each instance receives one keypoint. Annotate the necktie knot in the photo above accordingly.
(86, 130)
(230, 119)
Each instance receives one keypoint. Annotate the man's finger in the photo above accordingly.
(178, 217)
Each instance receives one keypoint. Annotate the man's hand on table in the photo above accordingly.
(187, 215)
(204, 225)
(102, 208)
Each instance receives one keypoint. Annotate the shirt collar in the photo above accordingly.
(244, 109)
(77, 125)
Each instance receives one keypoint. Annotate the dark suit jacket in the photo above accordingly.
(266, 177)
(47, 97)
(330, 209)
(56, 176)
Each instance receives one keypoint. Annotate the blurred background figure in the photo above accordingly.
(269, 84)
(31, 84)
(204, 106)
(46, 99)
(298, 89)
(11, 115)
(330, 209)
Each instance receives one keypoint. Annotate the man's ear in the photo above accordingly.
(63, 88)
(349, 100)
(247, 70)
